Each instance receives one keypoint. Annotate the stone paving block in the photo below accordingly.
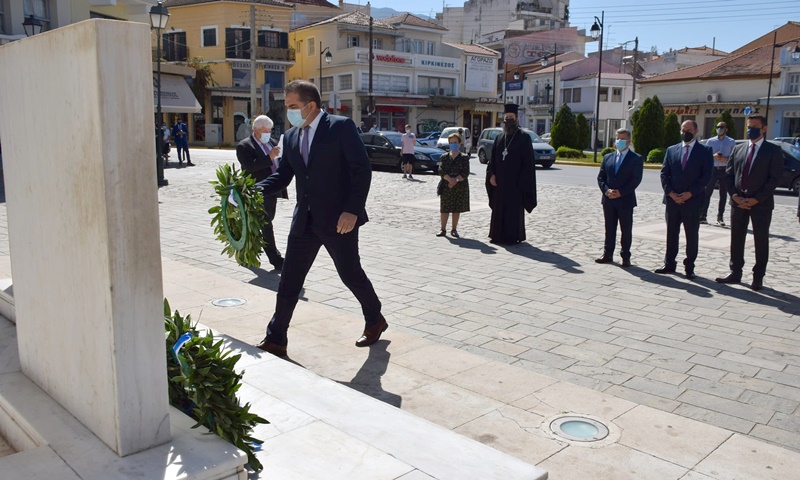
(667, 376)
(778, 357)
(460, 335)
(788, 422)
(463, 405)
(722, 364)
(653, 387)
(548, 359)
(652, 330)
(564, 375)
(721, 420)
(786, 392)
(581, 331)
(667, 363)
(622, 332)
(684, 345)
(709, 373)
(582, 354)
(653, 348)
(489, 354)
(501, 382)
(560, 337)
(728, 407)
(599, 373)
(426, 360)
(779, 436)
(507, 348)
(632, 354)
(478, 340)
(780, 377)
(612, 462)
(742, 457)
(713, 388)
(754, 361)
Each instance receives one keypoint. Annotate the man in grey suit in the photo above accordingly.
(620, 174)
(752, 175)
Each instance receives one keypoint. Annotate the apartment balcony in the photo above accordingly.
(262, 53)
(175, 54)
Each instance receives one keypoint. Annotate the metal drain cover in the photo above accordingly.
(229, 302)
(579, 429)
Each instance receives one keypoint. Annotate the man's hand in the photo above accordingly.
(676, 198)
(741, 202)
(274, 153)
(750, 202)
(347, 222)
(613, 194)
(493, 181)
(685, 196)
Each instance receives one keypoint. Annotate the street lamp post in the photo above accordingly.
(795, 56)
(328, 57)
(159, 15)
(634, 71)
(32, 26)
(370, 105)
(554, 54)
(597, 33)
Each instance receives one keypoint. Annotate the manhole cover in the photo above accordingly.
(229, 302)
(579, 429)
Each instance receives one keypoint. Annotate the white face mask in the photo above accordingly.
(408, 130)
(264, 138)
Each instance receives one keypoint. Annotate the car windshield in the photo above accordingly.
(449, 131)
(534, 138)
(395, 138)
(791, 150)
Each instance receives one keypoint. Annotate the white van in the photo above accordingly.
(467, 140)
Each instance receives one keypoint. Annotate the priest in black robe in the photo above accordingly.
(510, 181)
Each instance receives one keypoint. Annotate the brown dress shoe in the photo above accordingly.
(273, 348)
(604, 259)
(372, 334)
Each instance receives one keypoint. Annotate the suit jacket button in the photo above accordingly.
(307, 177)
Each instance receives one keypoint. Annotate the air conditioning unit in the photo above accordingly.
(441, 91)
(532, 99)
(712, 97)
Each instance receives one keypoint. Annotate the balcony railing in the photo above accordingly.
(262, 53)
(178, 54)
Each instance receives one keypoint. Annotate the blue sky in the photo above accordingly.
(658, 23)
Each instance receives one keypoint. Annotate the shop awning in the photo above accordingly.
(176, 96)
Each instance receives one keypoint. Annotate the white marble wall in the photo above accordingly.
(76, 118)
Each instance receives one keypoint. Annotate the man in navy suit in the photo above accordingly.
(259, 158)
(326, 156)
(620, 174)
(685, 173)
(753, 172)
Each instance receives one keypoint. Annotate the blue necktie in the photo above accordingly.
(617, 163)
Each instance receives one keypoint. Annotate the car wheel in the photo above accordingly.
(796, 185)
(482, 157)
(547, 164)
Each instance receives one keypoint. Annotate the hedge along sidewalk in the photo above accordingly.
(589, 162)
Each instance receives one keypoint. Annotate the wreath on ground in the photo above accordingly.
(237, 220)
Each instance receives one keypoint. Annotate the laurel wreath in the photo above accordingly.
(238, 224)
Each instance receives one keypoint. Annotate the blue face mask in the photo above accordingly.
(753, 133)
(295, 116)
(621, 144)
(454, 147)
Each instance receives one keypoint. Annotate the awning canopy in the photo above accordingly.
(176, 96)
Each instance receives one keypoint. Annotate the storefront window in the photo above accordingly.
(385, 83)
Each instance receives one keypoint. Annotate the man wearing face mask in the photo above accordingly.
(326, 157)
(722, 146)
(259, 157)
(684, 176)
(620, 174)
(408, 140)
(510, 181)
(752, 174)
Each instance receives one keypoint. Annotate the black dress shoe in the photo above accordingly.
(273, 348)
(664, 269)
(626, 262)
(604, 259)
(758, 284)
(277, 264)
(731, 278)
(372, 334)
(690, 274)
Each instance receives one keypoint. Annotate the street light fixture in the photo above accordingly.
(635, 71)
(553, 54)
(32, 26)
(159, 15)
(328, 57)
(795, 56)
(597, 34)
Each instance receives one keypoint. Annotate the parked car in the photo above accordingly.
(442, 143)
(543, 153)
(789, 140)
(791, 164)
(545, 137)
(384, 149)
(429, 138)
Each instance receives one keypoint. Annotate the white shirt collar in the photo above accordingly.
(758, 143)
(315, 123)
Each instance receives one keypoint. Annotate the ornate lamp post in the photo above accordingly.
(597, 33)
(328, 57)
(553, 54)
(159, 15)
(32, 26)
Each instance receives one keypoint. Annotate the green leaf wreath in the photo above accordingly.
(237, 224)
(203, 383)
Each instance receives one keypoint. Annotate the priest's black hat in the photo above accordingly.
(511, 108)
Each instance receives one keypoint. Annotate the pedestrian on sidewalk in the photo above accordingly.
(510, 181)
(408, 140)
(259, 157)
(180, 133)
(328, 160)
(722, 147)
(453, 188)
(684, 175)
(165, 142)
(620, 174)
(753, 173)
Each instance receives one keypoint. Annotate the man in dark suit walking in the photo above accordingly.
(752, 174)
(620, 174)
(684, 175)
(259, 156)
(326, 156)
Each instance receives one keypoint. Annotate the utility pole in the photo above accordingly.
(370, 107)
(253, 43)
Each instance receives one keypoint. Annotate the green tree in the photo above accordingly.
(728, 119)
(584, 132)
(672, 130)
(649, 127)
(565, 130)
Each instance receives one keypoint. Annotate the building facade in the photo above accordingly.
(477, 18)
(785, 98)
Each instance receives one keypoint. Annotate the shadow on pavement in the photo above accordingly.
(270, 280)
(694, 287)
(784, 302)
(368, 378)
(473, 245)
(559, 261)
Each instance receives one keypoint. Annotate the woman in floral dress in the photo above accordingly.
(454, 187)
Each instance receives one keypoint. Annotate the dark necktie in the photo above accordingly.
(747, 165)
(685, 157)
(304, 145)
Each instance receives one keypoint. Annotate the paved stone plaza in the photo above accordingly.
(720, 354)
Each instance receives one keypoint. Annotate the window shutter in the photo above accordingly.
(284, 40)
(230, 40)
